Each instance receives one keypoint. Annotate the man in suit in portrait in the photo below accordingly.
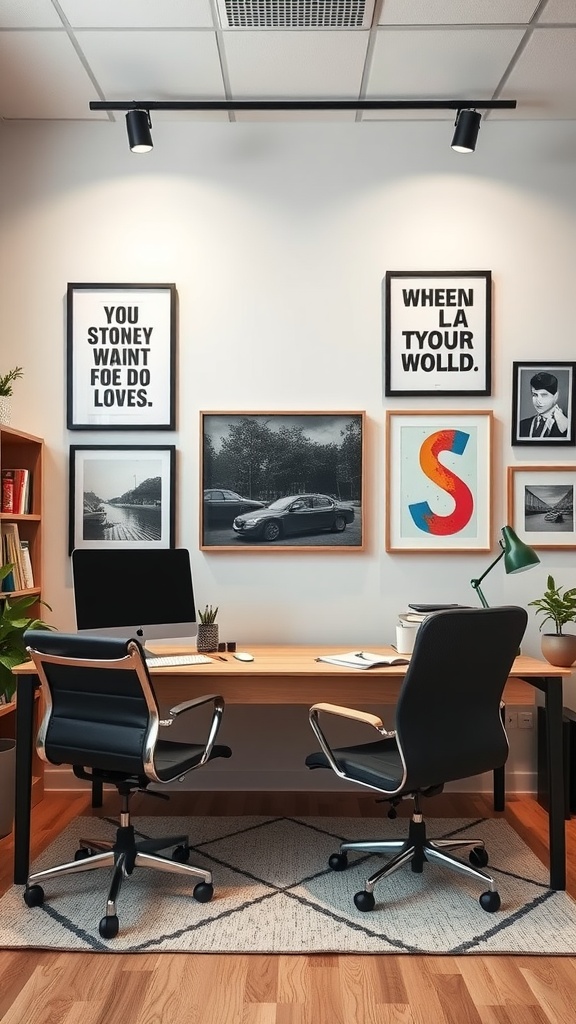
(549, 420)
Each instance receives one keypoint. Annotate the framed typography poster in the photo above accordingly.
(438, 481)
(437, 337)
(121, 346)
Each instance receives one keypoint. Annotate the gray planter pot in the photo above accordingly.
(7, 782)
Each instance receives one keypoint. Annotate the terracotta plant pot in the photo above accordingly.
(559, 649)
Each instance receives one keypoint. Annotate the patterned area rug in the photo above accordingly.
(275, 894)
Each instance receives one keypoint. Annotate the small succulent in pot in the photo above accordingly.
(207, 639)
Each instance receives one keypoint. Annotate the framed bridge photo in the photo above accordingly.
(282, 481)
(437, 332)
(541, 505)
(438, 472)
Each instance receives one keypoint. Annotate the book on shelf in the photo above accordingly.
(26, 565)
(12, 553)
(363, 660)
(7, 504)
(21, 491)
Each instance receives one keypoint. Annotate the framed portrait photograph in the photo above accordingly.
(122, 495)
(121, 356)
(437, 332)
(282, 481)
(438, 475)
(541, 505)
(543, 410)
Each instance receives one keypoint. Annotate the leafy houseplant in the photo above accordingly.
(558, 648)
(207, 639)
(13, 624)
(6, 383)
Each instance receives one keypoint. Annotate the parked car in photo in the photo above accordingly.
(221, 506)
(297, 513)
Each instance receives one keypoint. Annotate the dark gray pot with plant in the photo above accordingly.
(559, 648)
(207, 639)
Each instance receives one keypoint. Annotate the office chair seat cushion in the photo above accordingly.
(172, 758)
(377, 764)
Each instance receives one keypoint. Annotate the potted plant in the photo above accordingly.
(558, 648)
(207, 639)
(13, 624)
(6, 392)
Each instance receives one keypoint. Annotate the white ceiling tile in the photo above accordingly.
(305, 65)
(559, 12)
(41, 77)
(146, 65)
(138, 14)
(32, 14)
(457, 12)
(434, 64)
(544, 81)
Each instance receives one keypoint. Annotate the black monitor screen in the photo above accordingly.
(143, 592)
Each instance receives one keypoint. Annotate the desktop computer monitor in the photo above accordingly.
(145, 593)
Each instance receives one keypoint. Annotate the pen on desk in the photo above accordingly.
(221, 658)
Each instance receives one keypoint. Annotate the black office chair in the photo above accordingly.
(102, 718)
(448, 726)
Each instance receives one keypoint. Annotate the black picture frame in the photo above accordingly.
(530, 423)
(251, 459)
(121, 356)
(438, 333)
(109, 505)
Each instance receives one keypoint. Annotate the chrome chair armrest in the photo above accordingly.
(191, 705)
(363, 717)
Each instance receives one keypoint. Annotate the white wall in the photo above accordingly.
(278, 238)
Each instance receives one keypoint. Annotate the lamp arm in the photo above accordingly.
(475, 584)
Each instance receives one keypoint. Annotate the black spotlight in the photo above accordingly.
(138, 125)
(466, 134)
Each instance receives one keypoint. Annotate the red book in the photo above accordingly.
(20, 487)
(8, 490)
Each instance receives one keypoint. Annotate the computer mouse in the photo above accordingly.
(243, 656)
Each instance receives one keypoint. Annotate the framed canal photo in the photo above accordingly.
(541, 505)
(282, 481)
(543, 410)
(121, 496)
(121, 346)
(438, 481)
(437, 334)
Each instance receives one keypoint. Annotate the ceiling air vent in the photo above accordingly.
(295, 13)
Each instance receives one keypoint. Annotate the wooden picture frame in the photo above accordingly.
(540, 503)
(438, 481)
(121, 356)
(543, 404)
(122, 495)
(437, 333)
(308, 465)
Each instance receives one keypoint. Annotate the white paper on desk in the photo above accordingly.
(363, 659)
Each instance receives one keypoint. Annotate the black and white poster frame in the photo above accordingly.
(438, 333)
(525, 407)
(121, 356)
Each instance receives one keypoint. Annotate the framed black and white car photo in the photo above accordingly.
(543, 410)
(282, 481)
(437, 332)
(122, 496)
(121, 348)
(541, 505)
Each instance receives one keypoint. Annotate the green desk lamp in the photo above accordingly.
(517, 556)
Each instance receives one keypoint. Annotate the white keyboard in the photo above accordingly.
(172, 660)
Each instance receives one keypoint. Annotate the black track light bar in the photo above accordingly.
(232, 105)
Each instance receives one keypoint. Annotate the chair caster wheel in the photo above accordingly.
(34, 896)
(338, 862)
(478, 857)
(203, 892)
(108, 927)
(181, 854)
(364, 901)
(490, 901)
(81, 854)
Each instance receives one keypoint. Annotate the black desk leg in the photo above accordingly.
(556, 825)
(23, 791)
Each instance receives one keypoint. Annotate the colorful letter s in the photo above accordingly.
(423, 516)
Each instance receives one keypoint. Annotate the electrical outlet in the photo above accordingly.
(511, 719)
(525, 720)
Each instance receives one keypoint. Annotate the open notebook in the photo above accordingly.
(364, 659)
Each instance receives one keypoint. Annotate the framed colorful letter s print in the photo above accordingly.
(438, 481)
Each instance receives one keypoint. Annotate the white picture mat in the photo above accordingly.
(542, 478)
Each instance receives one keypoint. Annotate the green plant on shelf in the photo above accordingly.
(557, 607)
(13, 625)
(208, 616)
(8, 379)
